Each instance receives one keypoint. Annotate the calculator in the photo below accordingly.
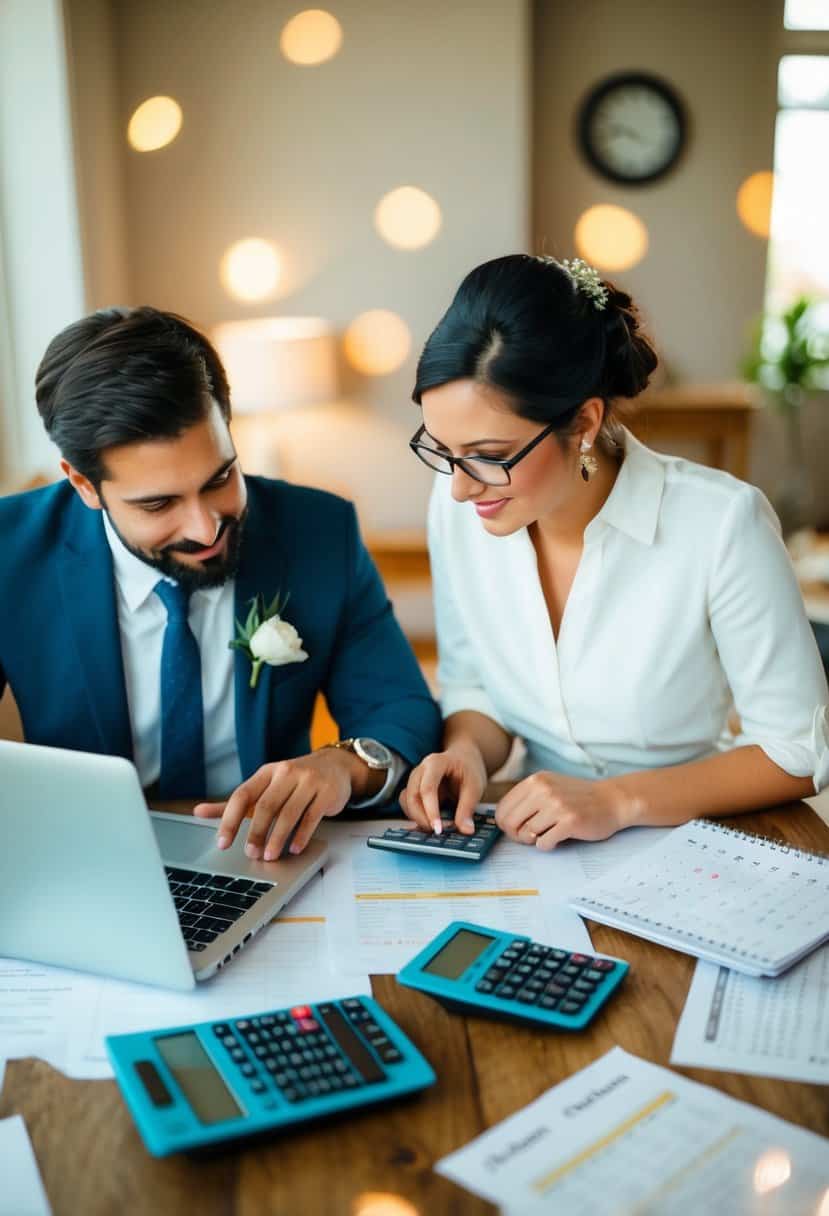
(450, 843)
(197, 1086)
(489, 972)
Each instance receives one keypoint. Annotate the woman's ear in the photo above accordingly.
(82, 486)
(591, 417)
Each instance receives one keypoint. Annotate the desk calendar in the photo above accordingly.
(745, 902)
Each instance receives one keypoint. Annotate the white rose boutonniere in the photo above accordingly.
(266, 638)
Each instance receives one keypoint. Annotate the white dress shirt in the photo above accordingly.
(142, 619)
(684, 597)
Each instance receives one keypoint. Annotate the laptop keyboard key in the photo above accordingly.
(229, 900)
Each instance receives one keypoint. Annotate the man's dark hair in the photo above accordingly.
(124, 376)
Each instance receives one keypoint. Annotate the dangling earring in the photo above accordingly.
(589, 464)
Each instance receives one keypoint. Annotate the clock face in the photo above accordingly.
(632, 128)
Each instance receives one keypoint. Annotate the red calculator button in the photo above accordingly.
(603, 964)
(300, 1011)
(306, 1024)
(580, 958)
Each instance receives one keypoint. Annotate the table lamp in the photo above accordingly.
(273, 364)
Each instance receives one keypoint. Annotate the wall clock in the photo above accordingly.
(632, 128)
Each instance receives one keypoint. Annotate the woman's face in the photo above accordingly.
(466, 418)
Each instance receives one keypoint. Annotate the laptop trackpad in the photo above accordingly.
(183, 843)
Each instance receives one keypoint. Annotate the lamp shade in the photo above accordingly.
(276, 363)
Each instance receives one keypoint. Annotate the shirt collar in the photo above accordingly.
(632, 506)
(136, 580)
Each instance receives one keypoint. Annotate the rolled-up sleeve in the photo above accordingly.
(458, 676)
(765, 643)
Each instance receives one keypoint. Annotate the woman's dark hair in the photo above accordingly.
(522, 325)
(124, 375)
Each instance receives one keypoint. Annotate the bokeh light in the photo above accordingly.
(250, 269)
(155, 123)
(771, 1171)
(610, 237)
(407, 218)
(377, 342)
(311, 37)
(382, 1203)
(754, 202)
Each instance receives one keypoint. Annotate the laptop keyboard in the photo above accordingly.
(207, 904)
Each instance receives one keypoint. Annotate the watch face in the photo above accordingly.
(632, 128)
(373, 753)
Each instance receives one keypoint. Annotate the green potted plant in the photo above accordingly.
(789, 358)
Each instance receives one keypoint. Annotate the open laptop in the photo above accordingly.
(90, 879)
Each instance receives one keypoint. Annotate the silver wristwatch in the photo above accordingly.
(376, 755)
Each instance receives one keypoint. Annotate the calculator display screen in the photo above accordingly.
(460, 952)
(199, 1080)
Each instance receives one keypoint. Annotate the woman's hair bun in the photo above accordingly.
(630, 358)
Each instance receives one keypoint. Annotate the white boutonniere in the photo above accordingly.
(266, 638)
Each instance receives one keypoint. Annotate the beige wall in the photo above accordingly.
(702, 279)
(432, 94)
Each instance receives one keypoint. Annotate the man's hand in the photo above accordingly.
(546, 808)
(279, 796)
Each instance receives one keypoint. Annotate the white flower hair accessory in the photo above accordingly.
(587, 280)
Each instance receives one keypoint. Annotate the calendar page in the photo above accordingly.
(745, 901)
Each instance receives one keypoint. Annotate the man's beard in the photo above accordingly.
(212, 572)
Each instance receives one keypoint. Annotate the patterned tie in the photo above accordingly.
(182, 711)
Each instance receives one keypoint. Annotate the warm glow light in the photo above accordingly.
(771, 1171)
(407, 218)
(155, 123)
(377, 342)
(611, 238)
(382, 1203)
(754, 202)
(250, 269)
(311, 37)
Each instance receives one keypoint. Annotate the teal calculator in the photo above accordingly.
(489, 972)
(194, 1087)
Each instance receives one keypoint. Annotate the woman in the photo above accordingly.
(600, 601)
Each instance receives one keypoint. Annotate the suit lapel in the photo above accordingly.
(88, 592)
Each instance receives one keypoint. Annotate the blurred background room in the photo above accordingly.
(310, 186)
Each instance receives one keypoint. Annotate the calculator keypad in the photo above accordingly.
(308, 1052)
(450, 841)
(549, 978)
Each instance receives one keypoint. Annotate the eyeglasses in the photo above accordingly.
(490, 470)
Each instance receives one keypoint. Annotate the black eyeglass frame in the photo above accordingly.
(461, 461)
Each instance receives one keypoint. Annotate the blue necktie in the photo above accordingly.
(182, 711)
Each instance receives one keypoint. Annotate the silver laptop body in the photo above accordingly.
(83, 881)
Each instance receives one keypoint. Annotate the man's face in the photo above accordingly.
(177, 504)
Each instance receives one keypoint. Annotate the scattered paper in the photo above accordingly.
(624, 1136)
(21, 1193)
(384, 907)
(768, 1027)
(63, 1016)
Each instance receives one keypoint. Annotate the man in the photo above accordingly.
(122, 587)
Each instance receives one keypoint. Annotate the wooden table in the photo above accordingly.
(380, 1163)
(717, 415)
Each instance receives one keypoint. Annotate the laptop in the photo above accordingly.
(90, 879)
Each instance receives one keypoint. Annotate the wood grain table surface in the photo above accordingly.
(379, 1162)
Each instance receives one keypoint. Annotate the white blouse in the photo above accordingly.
(684, 597)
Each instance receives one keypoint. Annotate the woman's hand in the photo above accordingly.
(458, 774)
(546, 808)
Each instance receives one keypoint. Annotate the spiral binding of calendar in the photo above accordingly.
(822, 859)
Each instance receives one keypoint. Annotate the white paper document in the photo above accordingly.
(62, 1016)
(21, 1189)
(770, 1027)
(384, 907)
(624, 1137)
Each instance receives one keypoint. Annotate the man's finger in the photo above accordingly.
(209, 810)
(285, 817)
(238, 805)
(307, 825)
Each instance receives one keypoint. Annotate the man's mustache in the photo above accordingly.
(193, 546)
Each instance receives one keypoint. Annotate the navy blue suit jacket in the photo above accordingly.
(60, 646)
